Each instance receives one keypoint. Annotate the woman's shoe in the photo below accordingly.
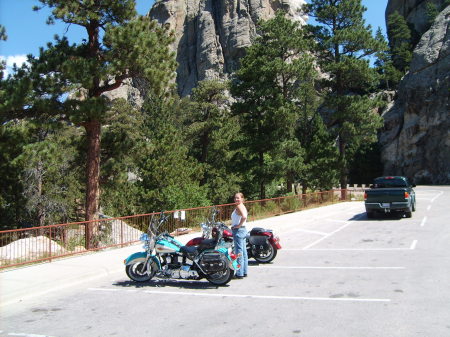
(239, 277)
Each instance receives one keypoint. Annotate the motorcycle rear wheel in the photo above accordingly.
(267, 256)
(221, 278)
(138, 272)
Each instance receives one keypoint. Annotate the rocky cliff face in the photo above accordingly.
(416, 139)
(211, 35)
(414, 11)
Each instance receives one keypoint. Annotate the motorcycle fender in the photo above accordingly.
(141, 256)
(135, 257)
(234, 265)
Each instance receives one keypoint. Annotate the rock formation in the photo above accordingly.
(416, 138)
(414, 11)
(211, 35)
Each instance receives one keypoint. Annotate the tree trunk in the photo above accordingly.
(289, 182)
(93, 133)
(343, 169)
(262, 187)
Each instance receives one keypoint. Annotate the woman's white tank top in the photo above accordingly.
(235, 219)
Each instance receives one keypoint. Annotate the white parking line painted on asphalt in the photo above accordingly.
(423, 222)
(440, 193)
(63, 286)
(330, 267)
(311, 232)
(348, 249)
(347, 223)
(326, 236)
(334, 220)
(25, 334)
(105, 289)
(296, 298)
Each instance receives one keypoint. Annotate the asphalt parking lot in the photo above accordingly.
(338, 274)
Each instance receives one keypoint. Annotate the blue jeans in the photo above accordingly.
(239, 236)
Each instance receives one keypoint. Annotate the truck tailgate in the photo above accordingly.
(385, 195)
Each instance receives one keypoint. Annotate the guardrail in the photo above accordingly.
(37, 244)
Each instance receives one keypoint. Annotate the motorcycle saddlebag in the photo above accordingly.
(259, 242)
(213, 262)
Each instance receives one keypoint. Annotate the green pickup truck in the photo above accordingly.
(390, 194)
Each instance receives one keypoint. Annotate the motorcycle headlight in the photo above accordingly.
(144, 237)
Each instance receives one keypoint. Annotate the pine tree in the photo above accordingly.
(50, 175)
(3, 37)
(168, 178)
(266, 88)
(119, 45)
(433, 10)
(343, 44)
(211, 133)
(40, 175)
(400, 41)
(389, 75)
(122, 149)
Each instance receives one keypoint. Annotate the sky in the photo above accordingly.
(27, 30)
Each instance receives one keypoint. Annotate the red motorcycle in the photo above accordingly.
(262, 244)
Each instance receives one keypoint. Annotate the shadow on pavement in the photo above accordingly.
(377, 216)
(161, 283)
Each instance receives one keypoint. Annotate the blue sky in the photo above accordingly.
(27, 30)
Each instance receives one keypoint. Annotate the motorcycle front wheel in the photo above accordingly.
(221, 278)
(267, 256)
(138, 272)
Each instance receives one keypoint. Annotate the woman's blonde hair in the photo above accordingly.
(241, 195)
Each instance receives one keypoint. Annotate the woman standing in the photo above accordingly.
(238, 220)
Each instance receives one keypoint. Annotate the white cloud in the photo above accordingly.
(10, 60)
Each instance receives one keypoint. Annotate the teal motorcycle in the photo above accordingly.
(165, 257)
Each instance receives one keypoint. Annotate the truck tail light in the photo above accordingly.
(406, 195)
(365, 195)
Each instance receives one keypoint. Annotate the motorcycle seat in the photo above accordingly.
(188, 249)
(257, 230)
(207, 244)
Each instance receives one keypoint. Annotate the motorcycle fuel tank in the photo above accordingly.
(163, 246)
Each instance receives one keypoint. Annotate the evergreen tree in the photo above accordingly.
(122, 143)
(3, 37)
(211, 133)
(389, 76)
(39, 173)
(266, 88)
(119, 45)
(433, 10)
(400, 41)
(366, 164)
(168, 178)
(12, 138)
(321, 155)
(343, 44)
(50, 173)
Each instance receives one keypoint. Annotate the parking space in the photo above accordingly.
(338, 274)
